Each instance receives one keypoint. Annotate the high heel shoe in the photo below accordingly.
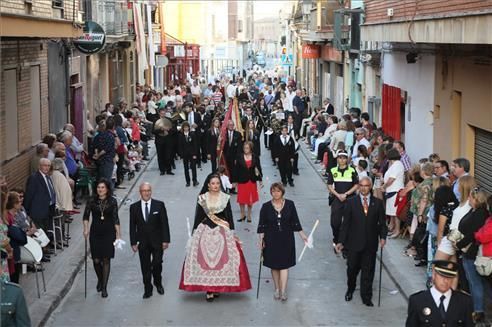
(104, 293)
(249, 220)
(242, 219)
(210, 297)
(99, 287)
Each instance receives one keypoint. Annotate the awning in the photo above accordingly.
(29, 26)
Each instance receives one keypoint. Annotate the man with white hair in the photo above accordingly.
(360, 136)
(77, 147)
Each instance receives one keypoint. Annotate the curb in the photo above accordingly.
(386, 269)
(69, 283)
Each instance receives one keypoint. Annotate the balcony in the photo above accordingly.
(112, 15)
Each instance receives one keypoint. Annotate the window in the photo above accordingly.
(240, 26)
(57, 4)
(11, 129)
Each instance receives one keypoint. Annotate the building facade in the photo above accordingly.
(35, 51)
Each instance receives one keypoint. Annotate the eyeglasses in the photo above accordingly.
(365, 185)
(475, 190)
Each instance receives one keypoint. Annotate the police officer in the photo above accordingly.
(342, 184)
(440, 305)
(13, 306)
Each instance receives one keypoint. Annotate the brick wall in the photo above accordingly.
(40, 8)
(376, 10)
(25, 53)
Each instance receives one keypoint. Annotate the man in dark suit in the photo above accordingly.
(362, 227)
(293, 132)
(211, 138)
(149, 235)
(196, 125)
(440, 305)
(164, 142)
(284, 152)
(232, 147)
(40, 197)
(188, 150)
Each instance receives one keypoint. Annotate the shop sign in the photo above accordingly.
(92, 39)
(310, 51)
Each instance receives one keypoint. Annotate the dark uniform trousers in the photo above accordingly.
(163, 149)
(337, 209)
(188, 163)
(364, 261)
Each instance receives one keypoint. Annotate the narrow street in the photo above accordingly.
(316, 286)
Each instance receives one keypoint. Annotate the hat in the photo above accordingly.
(445, 268)
(342, 153)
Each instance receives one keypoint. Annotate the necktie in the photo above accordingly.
(285, 140)
(251, 135)
(190, 118)
(146, 211)
(365, 205)
(230, 138)
(216, 132)
(51, 189)
(442, 311)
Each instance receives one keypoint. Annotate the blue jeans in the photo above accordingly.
(477, 284)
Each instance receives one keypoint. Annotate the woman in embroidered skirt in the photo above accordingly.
(214, 260)
(247, 171)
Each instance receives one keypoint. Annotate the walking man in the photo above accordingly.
(149, 235)
(363, 226)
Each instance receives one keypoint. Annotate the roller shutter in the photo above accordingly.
(483, 159)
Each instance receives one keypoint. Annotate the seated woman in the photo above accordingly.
(214, 260)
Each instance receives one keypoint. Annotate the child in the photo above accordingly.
(224, 179)
(362, 168)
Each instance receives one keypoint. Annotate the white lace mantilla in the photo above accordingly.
(213, 208)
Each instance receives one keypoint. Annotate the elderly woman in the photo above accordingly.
(393, 182)
(338, 136)
(62, 186)
(278, 222)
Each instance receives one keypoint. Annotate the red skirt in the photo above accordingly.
(222, 277)
(247, 193)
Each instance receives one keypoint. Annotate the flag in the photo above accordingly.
(232, 113)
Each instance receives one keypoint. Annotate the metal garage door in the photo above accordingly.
(483, 159)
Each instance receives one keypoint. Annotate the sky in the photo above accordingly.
(267, 8)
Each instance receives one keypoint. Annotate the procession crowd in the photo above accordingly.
(435, 204)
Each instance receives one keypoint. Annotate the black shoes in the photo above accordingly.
(163, 173)
(348, 296)
(242, 219)
(99, 287)
(160, 289)
(291, 184)
(170, 173)
(104, 293)
(368, 303)
(187, 184)
(147, 295)
(195, 183)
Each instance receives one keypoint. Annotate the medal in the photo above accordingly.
(426, 311)
(102, 217)
(102, 207)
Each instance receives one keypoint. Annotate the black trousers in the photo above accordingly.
(365, 262)
(203, 147)
(213, 161)
(150, 264)
(189, 162)
(285, 168)
(337, 208)
(321, 151)
(163, 157)
(295, 168)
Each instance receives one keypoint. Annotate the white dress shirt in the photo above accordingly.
(143, 207)
(436, 295)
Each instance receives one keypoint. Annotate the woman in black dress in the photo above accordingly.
(278, 222)
(104, 230)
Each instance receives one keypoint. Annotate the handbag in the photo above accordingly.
(41, 238)
(402, 204)
(483, 265)
(420, 235)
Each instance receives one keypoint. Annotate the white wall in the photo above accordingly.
(418, 80)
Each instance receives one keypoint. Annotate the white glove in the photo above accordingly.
(118, 244)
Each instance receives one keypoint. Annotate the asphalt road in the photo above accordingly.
(316, 286)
